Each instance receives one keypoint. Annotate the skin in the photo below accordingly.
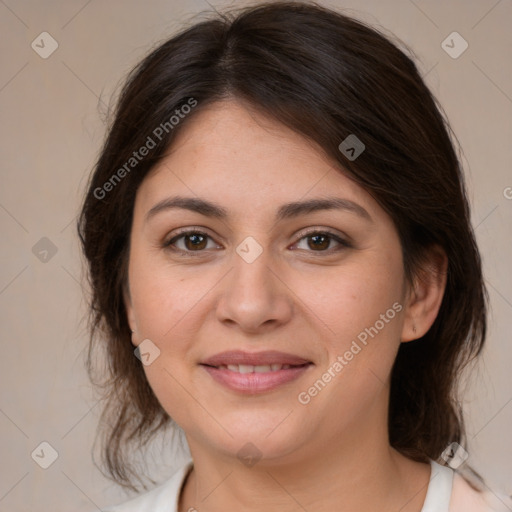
(296, 298)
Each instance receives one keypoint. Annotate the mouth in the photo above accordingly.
(261, 368)
(253, 373)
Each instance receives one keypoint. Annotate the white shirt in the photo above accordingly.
(447, 492)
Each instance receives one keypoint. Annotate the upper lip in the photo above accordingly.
(254, 358)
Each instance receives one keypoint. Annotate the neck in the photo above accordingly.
(348, 476)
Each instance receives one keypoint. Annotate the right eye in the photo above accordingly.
(191, 241)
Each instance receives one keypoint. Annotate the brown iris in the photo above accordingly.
(323, 241)
(197, 240)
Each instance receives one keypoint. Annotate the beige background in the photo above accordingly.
(50, 134)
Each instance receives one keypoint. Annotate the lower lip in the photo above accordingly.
(251, 383)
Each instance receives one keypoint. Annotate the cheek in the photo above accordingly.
(353, 301)
(359, 315)
(163, 304)
(363, 313)
(170, 311)
(162, 298)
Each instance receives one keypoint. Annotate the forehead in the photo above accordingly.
(247, 161)
(230, 135)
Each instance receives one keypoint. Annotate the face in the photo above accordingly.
(323, 286)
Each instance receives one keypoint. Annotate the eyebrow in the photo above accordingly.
(286, 211)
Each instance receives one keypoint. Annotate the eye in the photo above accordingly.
(189, 241)
(195, 241)
(320, 241)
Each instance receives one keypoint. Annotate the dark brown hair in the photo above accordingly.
(325, 76)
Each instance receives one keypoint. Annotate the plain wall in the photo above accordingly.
(51, 132)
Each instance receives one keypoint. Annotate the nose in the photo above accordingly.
(254, 298)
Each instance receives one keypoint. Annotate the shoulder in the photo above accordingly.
(462, 491)
(163, 498)
(465, 498)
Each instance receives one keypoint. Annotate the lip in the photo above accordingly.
(254, 383)
(254, 358)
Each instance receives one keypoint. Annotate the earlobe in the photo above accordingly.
(425, 296)
(132, 324)
(130, 315)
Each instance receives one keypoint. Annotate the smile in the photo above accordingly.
(249, 368)
(254, 379)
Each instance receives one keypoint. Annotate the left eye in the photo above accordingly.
(320, 241)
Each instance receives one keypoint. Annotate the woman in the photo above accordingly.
(283, 266)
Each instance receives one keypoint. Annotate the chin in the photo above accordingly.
(263, 439)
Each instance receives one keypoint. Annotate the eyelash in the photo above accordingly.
(187, 253)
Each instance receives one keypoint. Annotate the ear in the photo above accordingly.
(425, 295)
(130, 314)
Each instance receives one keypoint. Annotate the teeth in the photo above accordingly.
(262, 368)
(249, 368)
